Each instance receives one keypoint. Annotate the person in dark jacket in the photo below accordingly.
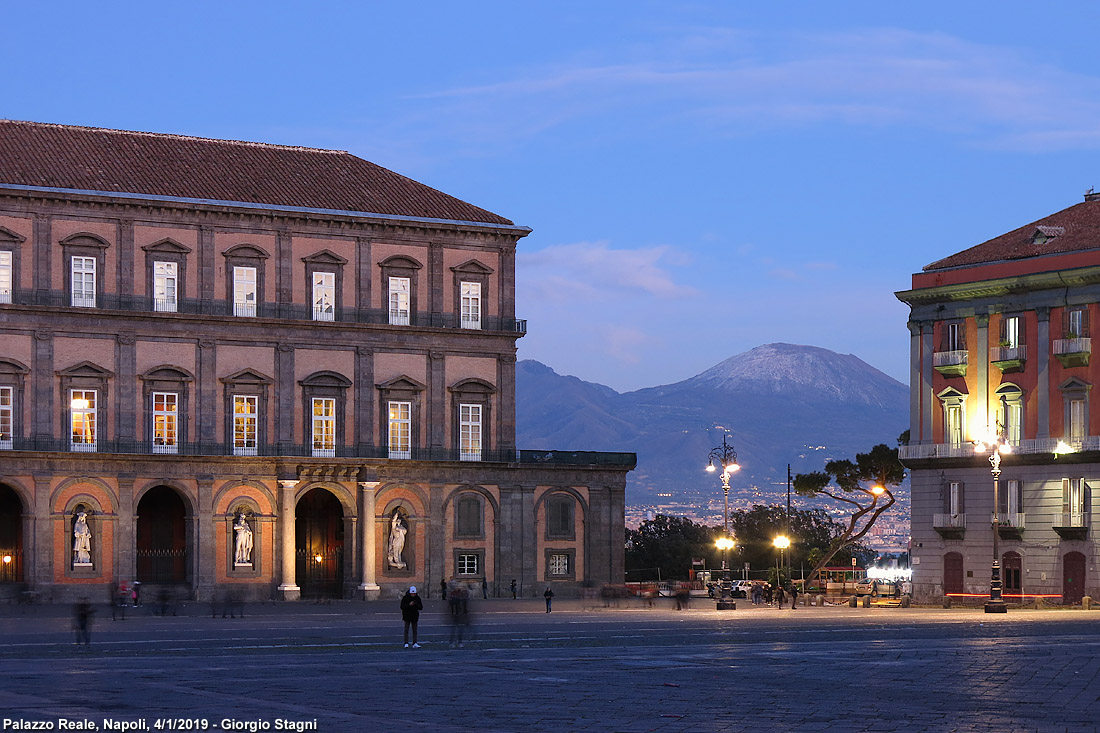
(411, 606)
(549, 596)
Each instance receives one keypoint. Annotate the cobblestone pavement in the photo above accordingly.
(577, 669)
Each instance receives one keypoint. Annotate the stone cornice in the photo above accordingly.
(1001, 287)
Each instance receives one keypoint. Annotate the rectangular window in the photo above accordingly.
(324, 296)
(468, 564)
(1075, 324)
(400, 291)
(244, 291)
(82, 408)
(1011, 335)
(953, 427)
(560, 516)
(559, 563)
(1012, 497)
(7, 418)
(165, 422)
(954, 337)
(471, 305)
(400, 445)
(245, 423)
(83, 282)
(165, 282)
(324, 427)
(1077, 421)
(1013, 416)
(954, 498)
(1076, 502)
(469, 419)
(7, 276)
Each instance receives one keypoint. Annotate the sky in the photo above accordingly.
(701, 177)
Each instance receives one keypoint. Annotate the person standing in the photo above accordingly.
(485, 589)
(411, 606)
(549, 596)
(82, 622)
(513, 589)
(794, 596)
(443, 587)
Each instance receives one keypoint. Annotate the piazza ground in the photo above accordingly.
(579, 668)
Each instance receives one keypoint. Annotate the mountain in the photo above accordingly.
(779, 403)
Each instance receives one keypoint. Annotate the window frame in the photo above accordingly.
(165, 251)
(560, 498)
(478, 554)
(570, 554)
(85, 245)
(330, 263)
(462, 532)
(86, 376)
(401, 266)
(324, 385)
(11, 243)
(166, 420)
(166, 379)
(246, 383)
(84, 446)
(401, 389)
(476, 272)
(7, 272)
(13, 377)
(323, 432)
(245, 419)
(245, 256)
(471, 323)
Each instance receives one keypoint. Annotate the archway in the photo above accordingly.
(162, 537)
(11, 536)
(319, 545)
(1073, 578)
(953, 573)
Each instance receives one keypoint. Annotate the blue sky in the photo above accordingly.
(701, 177)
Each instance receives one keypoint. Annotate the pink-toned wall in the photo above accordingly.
(144, 236)
(24, 228)
(61, 229)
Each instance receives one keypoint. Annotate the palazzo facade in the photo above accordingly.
(268, 371)
(1001, 352)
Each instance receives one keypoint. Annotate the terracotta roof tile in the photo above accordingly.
(1071, 230)
(118, 161)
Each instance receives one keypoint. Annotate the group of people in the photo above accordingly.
(458, 598)
(764, 593)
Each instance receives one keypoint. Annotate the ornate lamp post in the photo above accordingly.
(781, 543)
(726, 458)
(997, 445)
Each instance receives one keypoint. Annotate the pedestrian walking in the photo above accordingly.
(794, 596)
(513, 589)
(82, 621)
(549, 596)
(485, 589)
(411, 606)
(443, 588)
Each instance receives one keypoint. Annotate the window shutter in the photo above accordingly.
(1065, 496)
(1086, 497)
(1002, 498)
(1084, 323)
(1065, 322)
(1021, 331)
(945, 496)
(962, 498)
(1004, 328)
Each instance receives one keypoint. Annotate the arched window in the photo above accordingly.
(468, 516)
(560, 517)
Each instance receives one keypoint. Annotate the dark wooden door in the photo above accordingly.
(953, 573)
(1012, 567)
(1073, 578)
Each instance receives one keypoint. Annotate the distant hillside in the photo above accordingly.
(780, 403)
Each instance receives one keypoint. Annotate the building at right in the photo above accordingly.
(1000, 351)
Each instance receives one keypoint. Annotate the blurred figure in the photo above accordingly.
(683, 598)
(485, 589)
(82, 621)
(460, 616)
(549, 596)
(513, 589)
(164, 600)
(120, 601)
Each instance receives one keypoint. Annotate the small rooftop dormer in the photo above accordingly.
(1044, 234)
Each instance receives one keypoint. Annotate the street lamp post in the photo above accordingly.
(998, 445)
(725, 457)
(781, 543)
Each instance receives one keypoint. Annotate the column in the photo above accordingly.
(288, 588)
(41, 551)
(368, 588)
(1042, 359)
(983, 373)
(125, 530)
(915, 393)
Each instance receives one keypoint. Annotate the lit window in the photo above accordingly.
(165, 422)
(1074, 502)
(1077, 421)
(7, 418)
(1012, 496)
(953, 424)
(954, 337)
(1075, 324)
(324, 427)
(471, 305)
(1011, 336)
(400, 291)
(954, 498)
(83, 282)
(469, 432)
(324, 296)
(245, 423)
(82, 408)
(559, 563)
(468, 563)
(7, 276)
(165, 285)
(400, 445)
(244, 291)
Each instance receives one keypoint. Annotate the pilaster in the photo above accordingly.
(506, 411)
(126, 530)
(926, 432)
(507, 281)
(42, 549)
(437, 401)
(42, 380)
(125, 257)
(368, 588)
(1042, 363)
(435, 282)
(436, 569)
(982, 356)
(284, 394)
(206, 263)
(284, 272)
(126, 387)
(207, 391)
(364, 398)
(205, 539)
(42, 247)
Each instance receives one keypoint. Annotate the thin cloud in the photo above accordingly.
(735, 82)
(592, 268)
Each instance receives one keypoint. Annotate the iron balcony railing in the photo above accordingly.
(1011, 519)
(363, 451)
(949, 521)
(283, 311)
(949, 358)
(1031, 446)
(1075, 520)
(1007, 353)
(1073, 346)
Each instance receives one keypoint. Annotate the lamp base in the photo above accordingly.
(996, 607)
(726, 606)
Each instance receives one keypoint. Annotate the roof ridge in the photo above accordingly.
(175, 136)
